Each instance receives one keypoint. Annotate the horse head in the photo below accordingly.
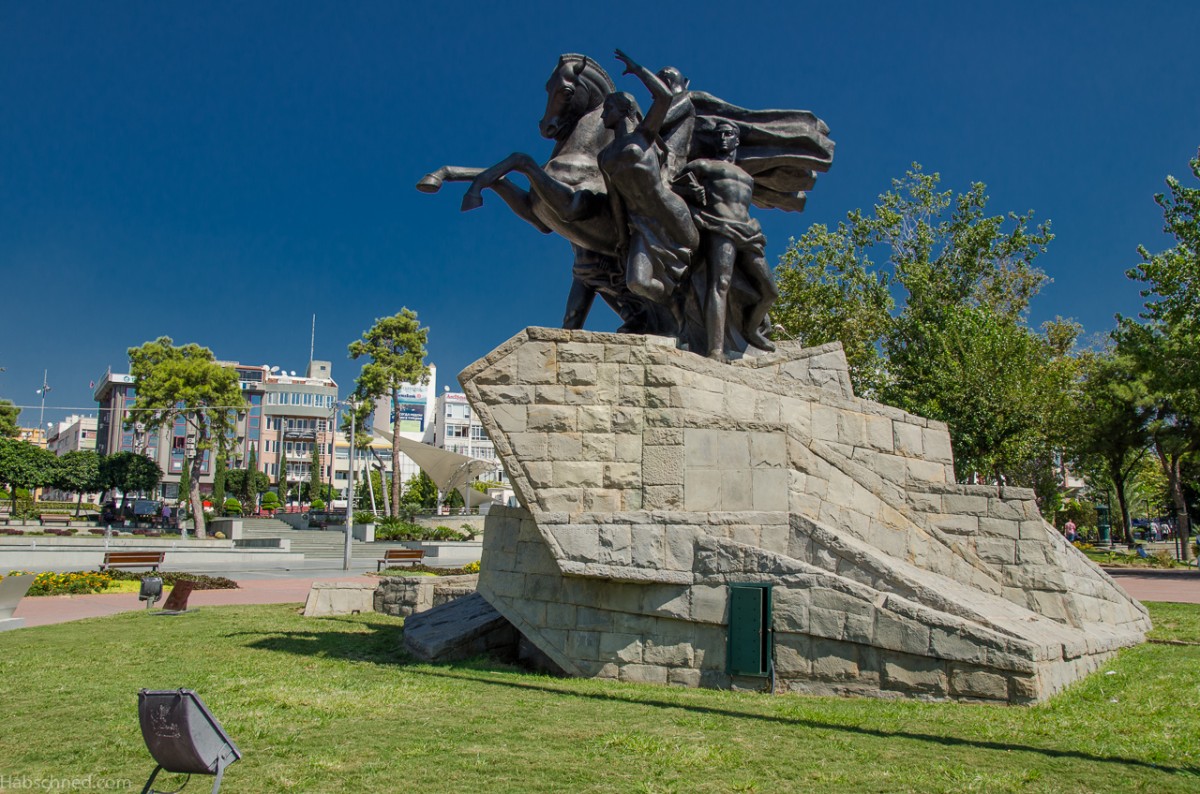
(576, 87)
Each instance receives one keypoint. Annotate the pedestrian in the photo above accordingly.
(166, 515)
(1069, 531)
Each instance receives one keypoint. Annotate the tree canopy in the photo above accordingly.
(186, 383)
(25, 465)
(928, 294)
(395, 347)
(9, 427)
(78, 472)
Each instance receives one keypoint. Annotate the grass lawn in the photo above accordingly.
(332, 705)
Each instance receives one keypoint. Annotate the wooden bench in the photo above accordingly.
(55, 518)
(411, 556)
(133, 559)
(5, 513)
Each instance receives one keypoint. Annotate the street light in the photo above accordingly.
(353, 405)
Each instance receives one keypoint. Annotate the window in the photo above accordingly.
(477, 433)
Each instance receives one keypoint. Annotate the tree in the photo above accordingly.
(314, 477)
(24, 465)
(218, 489)
(246, 485)
(958, 348)
(396, 349)
(1167, 345)
(129, 472)
(78, 472)
(9, 427)
(186, 382)
(1111, 424)
(420, 491)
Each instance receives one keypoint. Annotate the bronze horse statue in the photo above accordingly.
(567, 195)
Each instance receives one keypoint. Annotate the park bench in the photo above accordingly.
(5, 513)
(133, 559)
(411, 556)
(55, 518)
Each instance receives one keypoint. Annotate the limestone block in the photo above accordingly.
(583, 645)
(710, 604)
(702, 490)
(824, 423)
(976, 683)
(662, 465)
(965, 505)
(643, 674)
(615, 545)
(565, 500)
(594, 419)
(339, 598)
(528, 446)
(600, 500)
(833, 660)
(793, 655)
(598, 446)
(682, 676)
(924, 472)
(663, 497)
(879, 434)
(674, 655)
(628, 420)
(648, 546)
(578, 474)
(936, 443)
(908, 439)
(621, 647)
(622, 475)
(564, 446)
(915, 674)
(768, 450)
(680, 548)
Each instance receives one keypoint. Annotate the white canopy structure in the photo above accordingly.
(448, 470)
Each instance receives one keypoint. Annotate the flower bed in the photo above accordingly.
(86, 582)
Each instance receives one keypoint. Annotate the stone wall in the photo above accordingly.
(653, 479)
(407, 595)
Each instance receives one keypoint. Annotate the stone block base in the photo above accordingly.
(339, 598)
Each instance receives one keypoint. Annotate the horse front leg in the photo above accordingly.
(473, 199)
(432, 182)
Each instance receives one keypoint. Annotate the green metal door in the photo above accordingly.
(750, 629)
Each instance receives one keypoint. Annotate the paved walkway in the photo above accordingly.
(44, 610)
(271, 588)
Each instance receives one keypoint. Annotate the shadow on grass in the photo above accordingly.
(370, 647)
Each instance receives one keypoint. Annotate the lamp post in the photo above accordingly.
(42, 391)
(350, 494)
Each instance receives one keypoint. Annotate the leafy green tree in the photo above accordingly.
(396, 349)
(186, 382)
(218, 489)
(1111, 432)
(9, 427)
(246, 485)
(829, 291)
(420, 491)
(1167, 344)
(270, 501)
(314, 477)
(129, 472)
(25, 466)
(78, 472)
(957, 346)
(363, 490)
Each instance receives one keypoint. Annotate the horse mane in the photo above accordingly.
(598, 82)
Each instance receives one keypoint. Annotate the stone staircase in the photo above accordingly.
(314, 544)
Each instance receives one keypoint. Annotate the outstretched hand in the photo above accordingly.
(631, 66)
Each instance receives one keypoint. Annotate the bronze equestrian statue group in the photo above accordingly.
(656, 206)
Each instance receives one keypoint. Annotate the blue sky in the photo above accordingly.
(218, 172)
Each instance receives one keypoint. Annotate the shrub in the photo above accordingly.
(421, 567)
(270, 501)
(74, 583)
(364, 517)
(317, 504)
(233, 507)
(200, 581)
(468, 532)
(471, 567)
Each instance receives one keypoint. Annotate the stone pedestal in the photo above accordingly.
(653, 479)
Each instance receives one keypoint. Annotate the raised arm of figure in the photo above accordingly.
(657, 114)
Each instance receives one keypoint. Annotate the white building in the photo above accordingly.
(72, 434)
(456, 429)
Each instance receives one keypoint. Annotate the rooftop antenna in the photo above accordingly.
(313, 344)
